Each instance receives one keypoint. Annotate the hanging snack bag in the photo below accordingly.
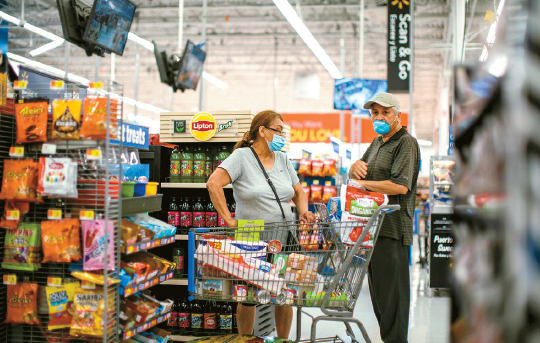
(60, 301)
(20, 181)
(94, 236)
(60, 240)
(305, 167)
(329, 168)
(316, 193)
(22, 247)
(58, 177)
(22, 303)
(31, 122)
(317, 168)
(328, 192)
(13, 212)
(94, 122)
(66, 119)
(89, 305)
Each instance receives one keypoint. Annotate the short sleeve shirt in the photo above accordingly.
(396, 160)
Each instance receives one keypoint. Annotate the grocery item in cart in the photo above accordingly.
(60, 240)
(256, 250)
(89, 305)
(57, 177)
(22, 247)
(300, 275)
(94, 122)
(13, 212)
(31, 121)
(22, 303)
(95, 232)
(20, 181)
(299, 261)
(364, 199)
(66, 119)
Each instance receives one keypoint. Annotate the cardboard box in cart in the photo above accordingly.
(216, 289)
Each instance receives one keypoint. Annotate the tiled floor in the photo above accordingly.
(429, 316)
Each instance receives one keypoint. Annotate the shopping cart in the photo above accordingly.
(320, 265)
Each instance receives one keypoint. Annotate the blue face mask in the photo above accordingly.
(277, 143)
(381, 127)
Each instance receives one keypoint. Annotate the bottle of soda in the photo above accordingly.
(210, 319)
(187, 166)
(197, 317)
(211, 215)
(178, 259)
(199, 166)
(184, 320)
(226, 318)
(223, 154)
(221, 221)
(186, 216)
(232, 209)
(199, 214)
(176, 159)
(208, 164)
(172, 322)
(215, 160)
(235, 322)
(173, 216)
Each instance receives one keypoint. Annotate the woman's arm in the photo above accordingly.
(219, 179)
(301, 202)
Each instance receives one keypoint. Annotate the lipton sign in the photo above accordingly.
(203, 126)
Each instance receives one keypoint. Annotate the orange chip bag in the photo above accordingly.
(66, 119)
(305, 167)
(22, 303)
(306, 189)
(328, 192)
(8, 221)
(20, 180)
(31, 122)
(60, 240)
(94, 124)
(329, 168)
(316, 193)
(317, 168)
(89, 305)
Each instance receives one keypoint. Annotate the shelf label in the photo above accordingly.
(57, 84)
(128, 334)
(48, 149)
(16, 151)
(54, 214)
(10, 279)
(86, 215)
(129, 291)
(130, 249)
(54, 281)
(93, 154)
(13, 215)
(20, 84)
(95, 85)
(88, 285)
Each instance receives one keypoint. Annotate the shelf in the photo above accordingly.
(133, 248)
(148, 325)
(136, 205)
(186, 185)
(443, 184)
(177, 338)
(147, 284)
(176, 282)
(181, 237)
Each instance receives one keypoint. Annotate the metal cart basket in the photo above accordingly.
(320, 264)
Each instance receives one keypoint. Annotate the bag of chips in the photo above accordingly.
(22, 247)
(60, 240)
(20, 181)
(94, 125)
(94, 234)
(66, 119)
(8, 221)
(328, 192)
(58, 177)
(31, 122)
(316, 193)
(22, 303)
(317, 168)
(329, 168)
(306, 189)
(89, 305)
(60, 301)
(305, 167)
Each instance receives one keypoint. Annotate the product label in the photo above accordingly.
(216, 164)
(211, 219)
(178, 262)
(198, 168)
(173, 319)
(208, 168)
(175, 168)
(173, 218)
(199, 219)
(186, 219)
(196, 321)
(183, 320)
(225, 321)
(187, 168)
(210, 321)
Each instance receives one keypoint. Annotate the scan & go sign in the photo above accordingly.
(203, 126)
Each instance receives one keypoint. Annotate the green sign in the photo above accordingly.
(179, 126)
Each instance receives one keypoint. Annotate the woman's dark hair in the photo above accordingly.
(264, 118)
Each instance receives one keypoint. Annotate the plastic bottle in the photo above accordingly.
(197, 317)
(235, 321)
(186, 216)
(176, 160)
(187, 166)
(232, 209)
(221, 221)
(210, 320)
(172, 322)
(211, 215)
(223, 154)
(178, 259)
(199, 166)
(226, 318)
(184, 318)
(199, 214)
(173, 216)
(208, 165)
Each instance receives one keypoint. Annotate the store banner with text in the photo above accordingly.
(399, 64)
(315, 127)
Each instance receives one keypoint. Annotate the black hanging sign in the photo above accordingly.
(399, 46)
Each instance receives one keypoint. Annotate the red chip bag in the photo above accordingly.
(22, 303)
(317, 168)
(357, 193)
(328, 192)
(8, 221)
(305, 167)
(306, 189)
(316, 193)
(329, 168)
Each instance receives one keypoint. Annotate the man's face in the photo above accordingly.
(386, 114)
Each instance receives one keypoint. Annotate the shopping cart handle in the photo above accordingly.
(389, 208)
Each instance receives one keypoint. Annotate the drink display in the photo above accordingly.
(221, 156)
(221, 221)
(199, 214)
(184, 320)
(197, 317)
(199, 166)
(211, 215)
(210, 317)
(186, 216)
(187, 166)
(173, 216)
(208, 165)
(235, 322)
(226, 318)
(176, 160)
(172, 322)
(178, 259)
(232, 209)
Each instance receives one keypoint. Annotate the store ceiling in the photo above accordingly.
(243, 37)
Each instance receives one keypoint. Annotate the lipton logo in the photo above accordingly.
(56, 165)
(203, 126)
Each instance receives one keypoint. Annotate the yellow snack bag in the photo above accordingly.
(89, 305)
(60, 301)
(66, 119)
(94, 278)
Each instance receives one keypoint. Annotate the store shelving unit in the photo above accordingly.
(143, 327)
(176, 282)
(141, 204)
(147, 284)
(133, 248)
(187, 185)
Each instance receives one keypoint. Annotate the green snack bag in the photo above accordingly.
(22, 247)
(280, 260)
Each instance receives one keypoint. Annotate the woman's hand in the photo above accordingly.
(231, 222)
(307, 217)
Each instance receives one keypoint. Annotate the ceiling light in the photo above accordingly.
(214, 80)
(9, 18)
(44, 48)
(304, 33)
(141, 41)
(491, 34)
(41, 32)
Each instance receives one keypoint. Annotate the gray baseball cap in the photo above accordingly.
(383, 99)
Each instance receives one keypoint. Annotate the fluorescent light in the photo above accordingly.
(424, 143)
(304, 33)
(141, 41)
(9, 18)
(41, 32)
(44, 48)
(491, 34)
(214, 80)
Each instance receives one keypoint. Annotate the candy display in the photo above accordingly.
(159, 228)
(60, 302)
(22, 247)
(94, 235)
(60, 240)
(89, 305)
(31, 121)
(13, 212)
(20, 180)
(22, 303)
(58, 177)
(94, 122)
(66, 119)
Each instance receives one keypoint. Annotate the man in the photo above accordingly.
(390, 166)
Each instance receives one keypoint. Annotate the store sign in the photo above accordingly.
(451, 144)
(399, 64)
(203, 126)
(179, 126)
(134, 136)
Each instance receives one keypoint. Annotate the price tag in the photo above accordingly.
(130, 249)
(129, 291)
(48, 149)
(57, 84)
(20, 84)
(10, 279)
(88, 285)
(86, 215)
(54, 281)
(328, 183)
(13, 215)
(153, 323)
(128, 334)
(54, 214)
(93, 154)
(95, 85)
(162, 278)
(315, 182)
(16, 151)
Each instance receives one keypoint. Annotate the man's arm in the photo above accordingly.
(386, 187)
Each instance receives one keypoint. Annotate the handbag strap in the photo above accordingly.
(269, 182)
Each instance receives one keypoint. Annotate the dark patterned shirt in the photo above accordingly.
(396, 160)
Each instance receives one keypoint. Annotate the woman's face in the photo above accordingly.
(276, 128)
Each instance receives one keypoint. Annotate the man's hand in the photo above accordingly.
(232, 223)
(307, 217)
(358, 170)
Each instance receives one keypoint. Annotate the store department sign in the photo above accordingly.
(134, 136)
(399, 46)
(203, 126)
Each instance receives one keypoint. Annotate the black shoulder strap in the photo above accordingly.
(269, 182)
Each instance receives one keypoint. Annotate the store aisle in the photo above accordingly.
(429, 316)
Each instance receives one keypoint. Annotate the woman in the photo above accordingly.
(255, 198)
